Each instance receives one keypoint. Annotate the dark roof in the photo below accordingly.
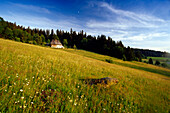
(55, 42)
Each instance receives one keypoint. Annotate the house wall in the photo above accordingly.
(57, 46)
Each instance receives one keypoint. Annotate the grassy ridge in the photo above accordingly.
(133, 64)
(36, 79)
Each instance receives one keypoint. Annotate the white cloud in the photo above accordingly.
(134, 29)
(42, 22)
(138, 17)
(32, 7)
(142, 37)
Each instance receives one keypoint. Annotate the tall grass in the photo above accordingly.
(39, 79)
(132, 64)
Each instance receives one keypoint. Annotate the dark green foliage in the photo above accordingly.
(1, 19)
(55, 37)
(48, 41)
(129, 54)
(17, 39)
(150, 61)
(34, 42)
(164, 65)
(109, 60)
(9, 33)
(42, 37)
(157, 62)
(74, 47)
(124, 58)
(146, 52)
(65, 43)
(101, 44)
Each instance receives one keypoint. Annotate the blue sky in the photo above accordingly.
(137, 23)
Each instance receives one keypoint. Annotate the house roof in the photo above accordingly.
(55, 42)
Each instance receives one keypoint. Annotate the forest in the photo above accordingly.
(100, 44)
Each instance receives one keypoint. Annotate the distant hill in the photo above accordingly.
(151, 53)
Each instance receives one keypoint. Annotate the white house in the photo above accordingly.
(56, 44)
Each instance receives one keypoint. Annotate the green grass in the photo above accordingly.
(160, 59)
(132, 64)
(39, 79)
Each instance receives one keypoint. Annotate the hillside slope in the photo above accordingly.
(36, 79)
(132, 64)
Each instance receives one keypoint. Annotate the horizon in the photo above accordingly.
(139, 24)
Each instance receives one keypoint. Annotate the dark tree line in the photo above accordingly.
(72, 39)
(151, 53)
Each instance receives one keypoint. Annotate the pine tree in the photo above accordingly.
(150, 61)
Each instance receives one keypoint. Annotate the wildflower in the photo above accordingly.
(20, 106)
(26, 79)
(15, 102)
(21, 90)
(5, 90)
(104, 109)
(75, 103)
(82, 96)
(14, 83)
(24, 106)
(13, 93)
(71, 100)
(24, 101)
(22, 97)
(32, 103)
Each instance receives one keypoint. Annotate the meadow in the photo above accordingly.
(160, 59)
(132, 64)
(41, 79)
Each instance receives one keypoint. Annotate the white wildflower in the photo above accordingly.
(21, 90)
(22, 97)
(75, 103)
(24, 106)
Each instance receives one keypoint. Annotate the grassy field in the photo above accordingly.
(160, 59)
(133, 64)
(39, 79)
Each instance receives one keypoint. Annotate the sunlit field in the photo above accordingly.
(160, 59)
(39, 79)
(132, 64)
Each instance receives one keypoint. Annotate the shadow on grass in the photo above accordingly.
(166, 73)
